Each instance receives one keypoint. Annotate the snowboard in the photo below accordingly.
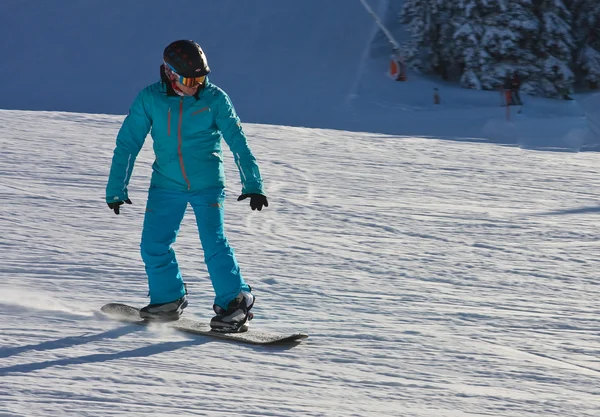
(128, 314)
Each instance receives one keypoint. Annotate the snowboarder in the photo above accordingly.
(187, 117)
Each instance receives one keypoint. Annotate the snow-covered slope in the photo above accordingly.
(309, 63)
(436, 279)
(284, 62)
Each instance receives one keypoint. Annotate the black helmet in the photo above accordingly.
(186, 58)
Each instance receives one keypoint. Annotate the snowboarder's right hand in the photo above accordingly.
(115, 206)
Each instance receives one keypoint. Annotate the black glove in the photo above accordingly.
(257, 201)
(115, 206)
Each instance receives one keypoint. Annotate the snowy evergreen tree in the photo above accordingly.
(555, 48)
(432, 31)
(493, 41)
(468, 47)
(517, 54)
(586, 33)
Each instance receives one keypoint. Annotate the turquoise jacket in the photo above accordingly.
(187, 135)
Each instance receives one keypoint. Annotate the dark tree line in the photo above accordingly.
(553, 45)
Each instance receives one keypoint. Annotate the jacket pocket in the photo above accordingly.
(203, 109)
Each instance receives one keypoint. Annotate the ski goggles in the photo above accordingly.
(187, 81)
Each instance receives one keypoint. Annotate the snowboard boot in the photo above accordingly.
(165, 311)
(235, 319)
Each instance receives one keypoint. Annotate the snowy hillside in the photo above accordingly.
(438, 273)
(435, 278)
(277, 59)
(307, 63)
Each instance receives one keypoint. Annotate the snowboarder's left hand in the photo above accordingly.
(257, 201)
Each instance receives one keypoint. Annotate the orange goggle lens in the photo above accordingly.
(187, 81)
(192, 82)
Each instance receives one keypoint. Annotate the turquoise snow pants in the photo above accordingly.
(164, 212)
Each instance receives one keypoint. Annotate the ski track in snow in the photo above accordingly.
(435, 278)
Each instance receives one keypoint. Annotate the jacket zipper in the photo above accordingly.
(179, 143)
(169, 122)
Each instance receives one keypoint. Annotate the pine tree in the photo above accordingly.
(586, 33)
(428, 22)
(467, 43)
(493, 40)
(555, 48)
(516, 53)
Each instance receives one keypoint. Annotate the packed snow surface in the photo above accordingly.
(440, 264)
(435, 278)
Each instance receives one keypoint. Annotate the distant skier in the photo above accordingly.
(187, 117)
(512, 85)
(515, 89)
(507, 90)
